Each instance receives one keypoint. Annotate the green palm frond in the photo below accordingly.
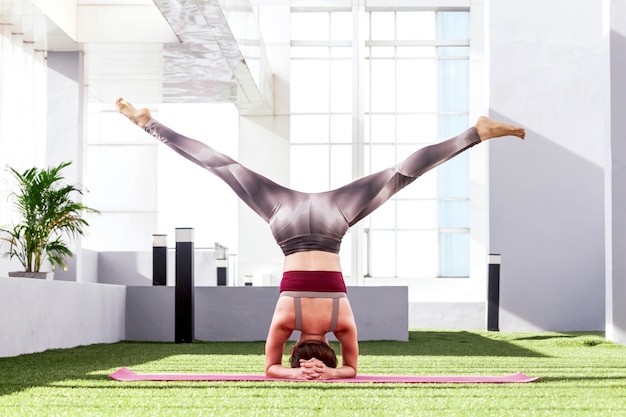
(49, 213)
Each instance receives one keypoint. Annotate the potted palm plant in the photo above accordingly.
(48, 216)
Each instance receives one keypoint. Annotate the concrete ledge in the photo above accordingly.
(244, 313)
(36, 315)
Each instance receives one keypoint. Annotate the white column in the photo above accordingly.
(615, 169)
(65, 131)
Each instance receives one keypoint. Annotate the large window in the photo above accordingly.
(415, 67)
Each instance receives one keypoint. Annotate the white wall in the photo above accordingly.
(36, 315)
(546, 194)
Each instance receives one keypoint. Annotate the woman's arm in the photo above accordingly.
(278, 334)
(349, 350)
(274, 348)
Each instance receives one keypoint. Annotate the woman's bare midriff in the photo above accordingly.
(312, 261)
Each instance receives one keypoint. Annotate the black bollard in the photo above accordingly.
(222, 272)
(493, 294)
(221, 260)
(159, 259)
(184, 323)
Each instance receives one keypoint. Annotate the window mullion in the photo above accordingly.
(359, 268)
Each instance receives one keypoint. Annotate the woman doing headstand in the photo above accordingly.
(309, 228)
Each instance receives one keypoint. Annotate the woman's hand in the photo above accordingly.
(315, 369)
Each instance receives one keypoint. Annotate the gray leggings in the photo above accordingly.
(313, 221)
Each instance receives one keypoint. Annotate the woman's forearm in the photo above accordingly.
(279, 371)
(343, 372)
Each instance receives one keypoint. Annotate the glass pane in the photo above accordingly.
(382, 52)
(383, 86)
(340, 165)
(455, 248)
(341, 86)
(366, 90)
(384, 217)
(341, 52)
(309, 26)
(381, 157)
(309, 168)
(415, 51)
(382, 26)
(453, 51)
(454, 214)
(309, 86)
(417, 214)
(341, 128)
(383, 128)
(415, 25)
(417, 86)
(418, 254)
(382, 254)
(309, 51)
(341, 26)
(416, 129)
(451, 125)
(453, 177)
(309, 129)
(453, 25)
(454, 85)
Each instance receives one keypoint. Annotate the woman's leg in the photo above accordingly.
(257, 191)
(363, 196)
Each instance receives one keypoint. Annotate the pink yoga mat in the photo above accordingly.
(125, 374)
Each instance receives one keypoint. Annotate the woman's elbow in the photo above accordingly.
(273, 371)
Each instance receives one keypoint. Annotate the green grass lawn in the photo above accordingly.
(581, 375)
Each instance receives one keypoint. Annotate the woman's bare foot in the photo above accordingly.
(489, 129)
(140, 117)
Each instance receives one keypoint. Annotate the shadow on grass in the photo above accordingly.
(547, 337)
(445, 343)
(81, 363)
(94, 362)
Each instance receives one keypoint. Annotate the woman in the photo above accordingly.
(309, 228)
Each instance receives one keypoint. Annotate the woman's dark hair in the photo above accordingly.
(313, 349)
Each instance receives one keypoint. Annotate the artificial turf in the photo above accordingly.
(581, 375)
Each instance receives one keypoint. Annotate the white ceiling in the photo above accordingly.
(68, 25)
(163, 50)
(36, 27)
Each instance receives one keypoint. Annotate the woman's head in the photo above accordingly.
(313, 349)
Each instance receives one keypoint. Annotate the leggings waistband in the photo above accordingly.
(313, 281)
